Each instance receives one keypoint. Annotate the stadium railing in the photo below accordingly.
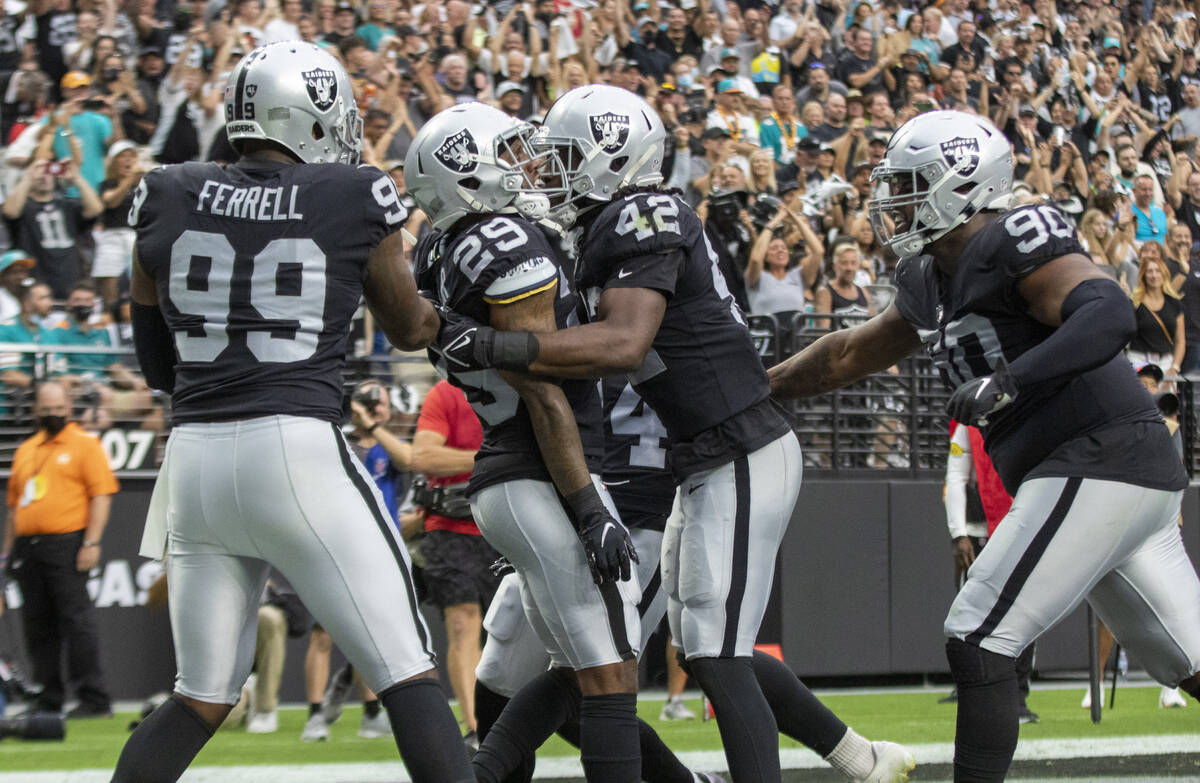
(892, 422)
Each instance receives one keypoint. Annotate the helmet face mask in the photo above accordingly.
(940, 169)
(474, 159)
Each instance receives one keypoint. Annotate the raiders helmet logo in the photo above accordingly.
(610, 131)
(251, 90)
(458, 152)
(322, 87)
(962, 155)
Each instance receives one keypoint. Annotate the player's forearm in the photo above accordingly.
(555, 430)
(589, 351)
(812, 371)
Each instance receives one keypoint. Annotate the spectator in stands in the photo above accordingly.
(458, 575)
(781, 130)
(1160, 338)
(286, 27)
(151, 67)
(114, 237)
(774, 284)
(88, 121)
(19, 370)
(59, 495)
(729, 115)
(842, 296)
(1151, 220)
(48, 223)
(15, 266)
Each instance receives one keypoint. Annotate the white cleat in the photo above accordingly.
(316, 729)
(1087, 699)
(675, 709)
(892, 763)
(379, 726)
(1171, 698)
(263, 723)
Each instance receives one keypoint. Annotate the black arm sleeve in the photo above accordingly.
(155, 347)
(1097, 324)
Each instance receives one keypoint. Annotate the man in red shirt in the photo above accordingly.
(458, 561)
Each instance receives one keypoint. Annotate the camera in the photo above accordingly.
(724, 207)
(55, 168)
(34, 726)
(764, 208)
(93, 104)
(368, 397)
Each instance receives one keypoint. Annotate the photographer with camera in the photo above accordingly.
(457, 572)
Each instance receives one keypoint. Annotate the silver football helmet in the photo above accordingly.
(474, 158)
(940, 168)
(298, 96)
(604, 139)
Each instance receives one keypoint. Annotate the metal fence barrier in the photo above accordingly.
(892, 421)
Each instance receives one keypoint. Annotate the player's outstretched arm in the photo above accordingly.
(152, 340)
(606, 542)
(618, 341)
(842, 357)
(408, 320)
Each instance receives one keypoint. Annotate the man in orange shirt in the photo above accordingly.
(59, 495)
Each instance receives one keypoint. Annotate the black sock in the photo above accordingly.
(313, 708)
(488, 706)
(988, 703)
(748, 728)
(608, 738)
(798, 713)
(371, 708)
(162, 746)
(426, 732)
(545, 703)
(659, 763)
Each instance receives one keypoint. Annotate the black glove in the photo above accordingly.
(468, 345)
(606, 543)
(501, 567)
(975, 400)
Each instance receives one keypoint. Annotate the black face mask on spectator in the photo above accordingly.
(81, 313)
(52, 424)
(112, 74)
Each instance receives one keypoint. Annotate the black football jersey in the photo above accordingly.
(1064, 426)
(703, 370)
(495, 260)
(259, 268)
(636, 462)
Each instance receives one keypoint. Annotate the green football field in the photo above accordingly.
(908, 717)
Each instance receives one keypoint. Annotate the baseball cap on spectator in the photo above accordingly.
(910, 53)
(788, 186)
(75, 79)
(728, 86)
(1112, 42)
(392, 165)
(1023, 37)
(19, 257)
(825, 148)
(879, 137)
(345, 5)
(507, 87)
(816, 65)
(406, 30)
(854, 95)
(716, 133)
(808, 144)
(150, 51)
(729, 51)
(641, 6)
(118, 147)
(1027, 111)
(645, 20)
(687, 5)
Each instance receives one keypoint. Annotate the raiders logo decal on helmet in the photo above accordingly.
(322, 87)
(458, 152)
(962, 155)
(610, 131)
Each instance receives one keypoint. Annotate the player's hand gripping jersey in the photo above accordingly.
(968, 322)
(279, 253)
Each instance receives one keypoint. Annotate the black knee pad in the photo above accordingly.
(972, 665)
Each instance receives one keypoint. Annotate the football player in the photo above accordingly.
(1029, 334)
(641, 488)
(532, 493)
(660, 311)
(245, 281)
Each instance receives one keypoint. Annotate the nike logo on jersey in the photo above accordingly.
(604, 533)
(696, 487)
(616, 483)
(623, 274)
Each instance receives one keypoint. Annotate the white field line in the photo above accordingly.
(564, 767)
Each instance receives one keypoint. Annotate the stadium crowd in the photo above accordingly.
(777, 112)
